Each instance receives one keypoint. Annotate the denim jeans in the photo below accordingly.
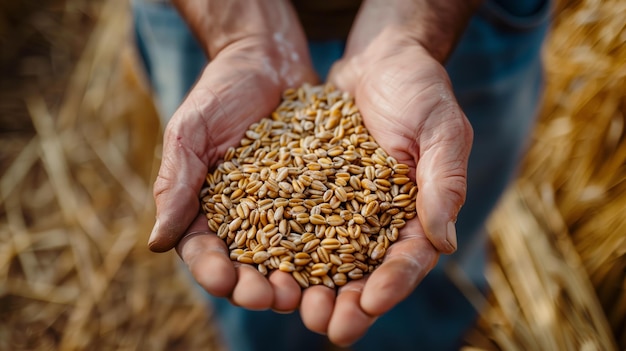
(496, 72)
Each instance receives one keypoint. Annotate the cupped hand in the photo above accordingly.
(408, 106)
(241, 85)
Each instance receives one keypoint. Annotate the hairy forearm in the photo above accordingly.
(219, 23)
(435, 24)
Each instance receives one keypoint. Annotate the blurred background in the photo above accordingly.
(80, 146)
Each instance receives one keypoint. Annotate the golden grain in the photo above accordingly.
(308, 191)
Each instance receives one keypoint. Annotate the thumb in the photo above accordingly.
(441, 176)
(177, 187)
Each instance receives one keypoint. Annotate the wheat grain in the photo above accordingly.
(309, 192)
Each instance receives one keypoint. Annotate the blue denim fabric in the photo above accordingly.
(496, 72)
(172, 58)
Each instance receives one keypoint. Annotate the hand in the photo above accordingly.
(242, 84)
(408, 106)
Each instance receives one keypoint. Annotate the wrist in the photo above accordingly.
(434, 25)
(260, 35)
(219, 23)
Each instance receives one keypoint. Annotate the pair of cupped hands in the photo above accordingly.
(407, 104)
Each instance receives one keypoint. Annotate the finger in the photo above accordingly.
(287, 292)
(349, 322)
(343, 75)
(207, 258)
(316, 308)
(252, 290)
(406, 263)
(441, 175)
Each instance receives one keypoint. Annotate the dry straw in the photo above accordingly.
(560, 266)
(76, 204)
(75, 200)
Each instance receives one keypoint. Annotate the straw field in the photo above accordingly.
(80, 145)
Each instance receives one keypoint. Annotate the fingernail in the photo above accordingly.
(451, 235)
(282, 312)
(374, 320)
(153, 234)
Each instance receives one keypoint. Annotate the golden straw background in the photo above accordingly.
(79, 149)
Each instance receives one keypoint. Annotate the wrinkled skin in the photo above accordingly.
(408, 106)
(242, 84)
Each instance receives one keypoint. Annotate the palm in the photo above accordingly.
(395, 100)
(239, 87)
(389, 100)
(232, 94)
(235, 91)
(408, 106)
